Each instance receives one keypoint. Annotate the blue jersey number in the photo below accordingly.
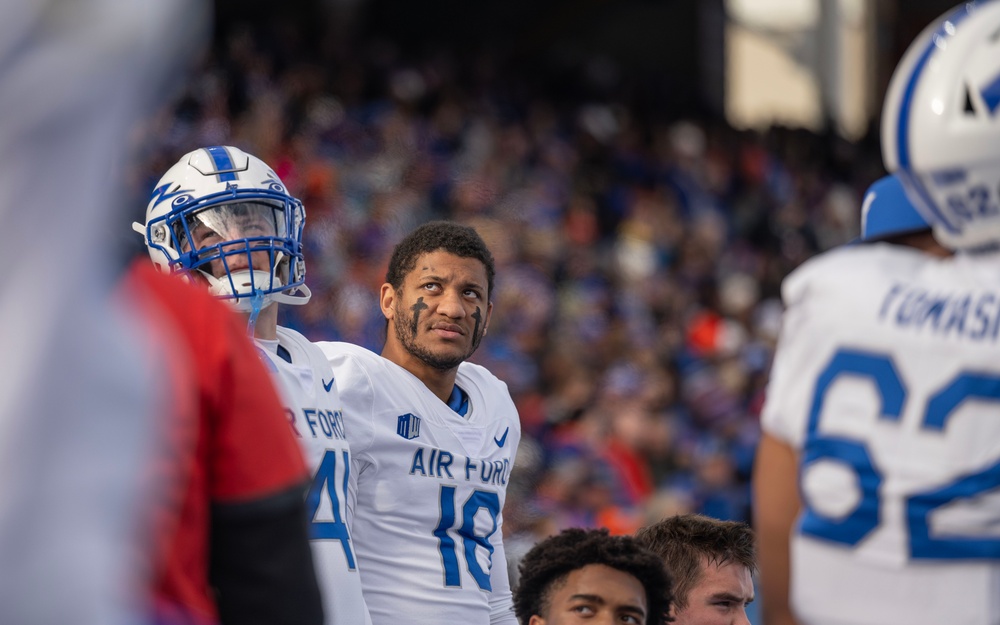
(478, 500)
(326, 480)
(850, 529)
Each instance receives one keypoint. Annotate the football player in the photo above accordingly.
(589, 576)
(434, 438)
(712, 564)
(224, 218)
(881, 410)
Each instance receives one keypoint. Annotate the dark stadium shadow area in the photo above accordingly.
(667, 51)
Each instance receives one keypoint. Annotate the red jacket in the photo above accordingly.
(224, 436)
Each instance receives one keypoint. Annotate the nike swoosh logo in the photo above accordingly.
(328, 386)
(502, 440)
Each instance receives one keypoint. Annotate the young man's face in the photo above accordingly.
(719, 598)
(441, 312)
(595, 595)
(224, 223)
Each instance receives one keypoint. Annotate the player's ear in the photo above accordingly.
(536, 620)
(387, 297)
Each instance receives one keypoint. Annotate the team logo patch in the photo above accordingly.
(408, 426)
(163, 193)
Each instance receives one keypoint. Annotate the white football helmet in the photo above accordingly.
(941, 125)
(224, 215)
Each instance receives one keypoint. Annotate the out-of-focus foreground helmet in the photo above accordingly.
(941, 125)
(887, 212)
(226, 215)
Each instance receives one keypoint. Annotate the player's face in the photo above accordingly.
(214, 226)
(719, 598)
(440, 314)
(596, 595)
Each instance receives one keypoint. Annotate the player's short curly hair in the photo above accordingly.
(684, 542)
(549, 562)
(462, 241)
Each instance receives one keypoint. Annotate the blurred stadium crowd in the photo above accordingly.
(639, 257)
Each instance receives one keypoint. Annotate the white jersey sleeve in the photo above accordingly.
(887, 382)
(314, 409)
(431, 487)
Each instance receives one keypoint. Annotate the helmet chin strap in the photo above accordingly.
(300, 296)
(236, 288)
(256, 304)
(252, 300)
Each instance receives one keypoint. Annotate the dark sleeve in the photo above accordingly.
(261, 564)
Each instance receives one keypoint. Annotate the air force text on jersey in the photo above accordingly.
(973, 315)
(319, 423)
(439, 463)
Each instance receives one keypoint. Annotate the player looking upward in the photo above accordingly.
(434, 438)
(223, 217)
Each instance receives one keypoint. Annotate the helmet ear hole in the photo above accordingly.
(159, 234)
(969, 109)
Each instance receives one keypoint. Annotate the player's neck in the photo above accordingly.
(266, 327)
(440, 382)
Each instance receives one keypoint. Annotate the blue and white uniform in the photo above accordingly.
(431, 487)
(312, 402)
(887, 383)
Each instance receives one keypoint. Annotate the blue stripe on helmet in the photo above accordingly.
(223, 163)
(903, 121)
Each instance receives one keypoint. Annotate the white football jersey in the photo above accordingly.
(431, 488)
(313, 406)
(887, 382)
